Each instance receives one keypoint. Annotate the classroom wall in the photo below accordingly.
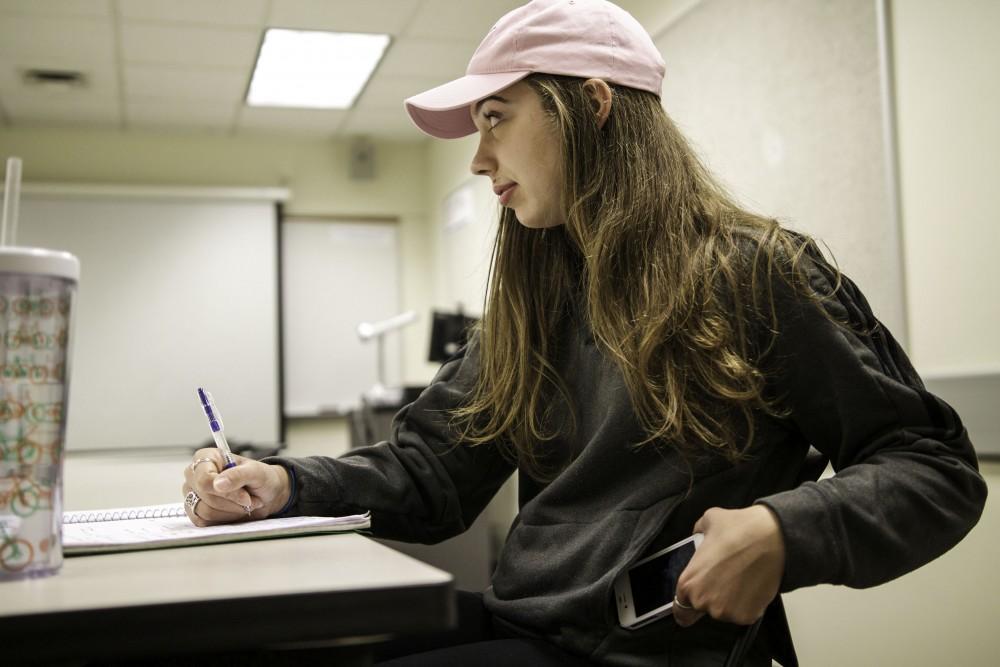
(948, 91)
(316, 172)
(783, 100)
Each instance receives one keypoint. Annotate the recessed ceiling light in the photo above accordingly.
(312, 69)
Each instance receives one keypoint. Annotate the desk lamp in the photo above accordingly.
(381, 395)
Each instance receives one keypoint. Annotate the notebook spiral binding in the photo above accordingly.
(152, 512)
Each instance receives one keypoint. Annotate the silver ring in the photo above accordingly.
(191, 500)
(677, 603)
(204, 459)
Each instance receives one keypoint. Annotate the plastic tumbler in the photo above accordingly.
(37, 288)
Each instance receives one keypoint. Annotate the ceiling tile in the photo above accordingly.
(290, 121)
(57, 7)
(427, 58)
(208, 47)
(387, 92)
(193, 115)
(188, 62)
(172, 82)
(380, 16)
(25, 38)
(448, 19)
(233, 13)
(385, 124)
(56, 110)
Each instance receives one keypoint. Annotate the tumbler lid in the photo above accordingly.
(39, 261)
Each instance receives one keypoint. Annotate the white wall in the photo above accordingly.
(948, 93)
(782, 98)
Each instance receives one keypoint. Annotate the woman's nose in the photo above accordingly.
(482, 162)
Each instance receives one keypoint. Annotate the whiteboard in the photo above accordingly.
(335, 275)
(174, 294)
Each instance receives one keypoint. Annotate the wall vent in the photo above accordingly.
(54, 79)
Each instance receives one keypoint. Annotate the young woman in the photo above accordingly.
(653, 361)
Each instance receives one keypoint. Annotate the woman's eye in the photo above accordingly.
(493, 119)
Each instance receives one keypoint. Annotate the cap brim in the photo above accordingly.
(443, 112)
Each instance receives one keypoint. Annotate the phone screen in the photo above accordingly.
(654, 582)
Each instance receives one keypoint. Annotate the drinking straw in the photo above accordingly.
(11, 197)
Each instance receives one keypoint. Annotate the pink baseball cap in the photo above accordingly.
(582, 38)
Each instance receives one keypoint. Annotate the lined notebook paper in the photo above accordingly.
(161, 526)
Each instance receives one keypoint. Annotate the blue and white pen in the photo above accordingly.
(215, 422)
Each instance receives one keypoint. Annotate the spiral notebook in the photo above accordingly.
(164, 526)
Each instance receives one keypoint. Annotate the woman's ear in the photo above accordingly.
(600, 96)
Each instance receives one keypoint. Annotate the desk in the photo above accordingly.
(222, 597)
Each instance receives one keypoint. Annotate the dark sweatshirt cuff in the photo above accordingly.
(292, 494)
(316, 487)
(811, 554)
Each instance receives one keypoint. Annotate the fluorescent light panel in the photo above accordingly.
(312, 69)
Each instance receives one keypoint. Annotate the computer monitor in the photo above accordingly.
(449, 332)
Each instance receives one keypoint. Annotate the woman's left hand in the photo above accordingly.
(736, 571)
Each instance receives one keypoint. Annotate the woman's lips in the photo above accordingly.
(506, 194)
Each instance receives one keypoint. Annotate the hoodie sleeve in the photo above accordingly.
(422, 485)
(907, 486)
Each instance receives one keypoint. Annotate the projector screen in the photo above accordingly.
(176, 292)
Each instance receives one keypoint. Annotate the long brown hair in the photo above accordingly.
(657, 253)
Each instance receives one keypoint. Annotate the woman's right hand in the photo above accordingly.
(251, 490)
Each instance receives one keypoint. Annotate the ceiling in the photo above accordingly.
(185, 65)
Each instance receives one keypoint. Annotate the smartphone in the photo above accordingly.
(645, 592)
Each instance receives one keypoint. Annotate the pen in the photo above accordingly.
(215, 422)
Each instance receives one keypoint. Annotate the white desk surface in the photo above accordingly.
(249, 593)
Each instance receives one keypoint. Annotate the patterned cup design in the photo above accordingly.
(34, 374)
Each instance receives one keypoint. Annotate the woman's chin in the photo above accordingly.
(536, 222)
(525, 220)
